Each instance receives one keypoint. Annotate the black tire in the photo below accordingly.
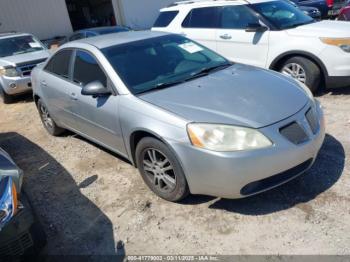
(312, 71)
(49, 124)
(179, 189)
(6, 99)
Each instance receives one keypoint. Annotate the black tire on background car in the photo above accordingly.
(47, 121)
(161, 170)
(303, 70)
(6, 99)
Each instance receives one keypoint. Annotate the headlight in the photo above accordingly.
(343, 43)
(223, 138)
(10, 72)
(8, 200)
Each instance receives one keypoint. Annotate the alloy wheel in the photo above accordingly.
(47, 120)
(159, 170)
(296, 71)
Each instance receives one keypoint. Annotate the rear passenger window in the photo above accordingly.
(87, 70)
(206, 17)
(59, 63)
(237, 17)
(165, 18)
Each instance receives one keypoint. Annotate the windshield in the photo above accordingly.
(282, 14)
(148, 64)
(19, 45)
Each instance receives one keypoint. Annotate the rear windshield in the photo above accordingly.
(112, 30)
(165, 18)
(19, 45)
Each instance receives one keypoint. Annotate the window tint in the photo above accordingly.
(87, 70)
(202, 18)
(165, 18)
(282, 14)
(237, 17)
(59, 63)
(145, 64)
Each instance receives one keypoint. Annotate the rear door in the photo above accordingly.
(235, 43)
(97, 116)
(200, 25)
(55, 84)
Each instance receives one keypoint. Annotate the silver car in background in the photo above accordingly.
(19, 54)
(190, 120)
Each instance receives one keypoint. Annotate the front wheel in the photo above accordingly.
(303, 70)
(47, 121)
(161, 170)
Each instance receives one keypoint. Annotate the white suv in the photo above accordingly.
(269, 34)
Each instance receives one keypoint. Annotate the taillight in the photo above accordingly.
(330, 3)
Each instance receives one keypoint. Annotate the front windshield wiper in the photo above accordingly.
(206, 70)
(202, 72)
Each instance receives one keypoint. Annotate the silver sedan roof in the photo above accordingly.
(104, 41)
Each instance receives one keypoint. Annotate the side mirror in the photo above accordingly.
(256, 28)
(95, 89)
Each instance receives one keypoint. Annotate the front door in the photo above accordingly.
(97, 116)
(235, 43)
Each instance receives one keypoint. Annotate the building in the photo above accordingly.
(51, 18)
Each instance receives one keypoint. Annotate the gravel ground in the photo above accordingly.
(89, 199)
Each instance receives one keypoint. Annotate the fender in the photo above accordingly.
(291, 53)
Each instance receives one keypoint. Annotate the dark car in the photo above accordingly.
(328, 8)
(20, 232)
(344, 14)
(96, 31)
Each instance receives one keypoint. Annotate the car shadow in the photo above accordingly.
(22, 98)
(326, 171)
(74, 225)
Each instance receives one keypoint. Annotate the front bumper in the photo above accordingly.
(227, 174)
(337, 63)
(22, 235)
(16, 85)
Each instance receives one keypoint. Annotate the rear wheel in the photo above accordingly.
(47, 121)
(303, 70)
(161, 170)
(6, 99)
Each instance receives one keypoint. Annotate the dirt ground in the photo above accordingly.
(88, 199)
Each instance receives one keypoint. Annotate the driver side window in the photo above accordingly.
(237, 17)
(87, 70)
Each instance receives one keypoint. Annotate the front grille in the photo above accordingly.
(294, 133)
(26, 68)
(312, 120)
(17, 246)
(261, 185)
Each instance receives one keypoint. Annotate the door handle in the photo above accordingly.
(226, 36)
(73, 96)
(43, 83)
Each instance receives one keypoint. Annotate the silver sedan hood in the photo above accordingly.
(240, 95)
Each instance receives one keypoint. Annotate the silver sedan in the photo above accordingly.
(187, 118)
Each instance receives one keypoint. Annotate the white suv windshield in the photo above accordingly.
(19, 45)
(282, 14)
